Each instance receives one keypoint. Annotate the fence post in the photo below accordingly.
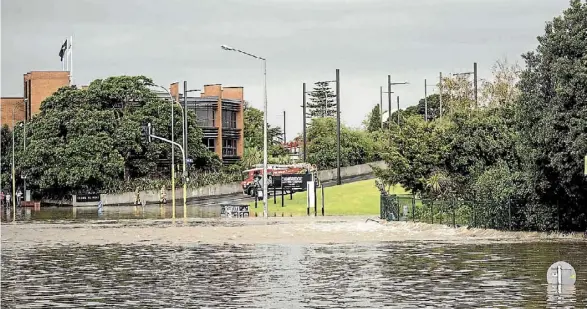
(510, 213)
(322, 187)
(557, 216)
(441, 212)
(474, 214)
(315, 202)
(454, 219)
(414, 208)
(274, 195)
(256, 197)
(282, 197)
(432, 210)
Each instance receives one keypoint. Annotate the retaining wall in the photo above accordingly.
(152, 196)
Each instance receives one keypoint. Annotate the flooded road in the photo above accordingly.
(282, 263)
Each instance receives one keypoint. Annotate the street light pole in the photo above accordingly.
(13, 172)
(173, 101)
(338, 180)
(389, 84)
(304, 119)
(265, 209)
(24, 147)
(440, 98)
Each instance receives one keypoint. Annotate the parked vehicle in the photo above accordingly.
(252, 177)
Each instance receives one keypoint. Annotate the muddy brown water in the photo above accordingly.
(331, 262)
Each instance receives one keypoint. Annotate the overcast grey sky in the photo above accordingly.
(303, 40)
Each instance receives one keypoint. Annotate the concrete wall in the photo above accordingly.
(216, 190)
(154, 195)
(349, 171)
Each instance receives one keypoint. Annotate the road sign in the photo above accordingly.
(561, 273)
(189, 160)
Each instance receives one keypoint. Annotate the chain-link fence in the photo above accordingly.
(507, 215)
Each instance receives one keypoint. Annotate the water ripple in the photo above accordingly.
(391, 275)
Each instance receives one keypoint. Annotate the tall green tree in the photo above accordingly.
(551, 115)
(373, 121)
(322, 101)
(91, 140)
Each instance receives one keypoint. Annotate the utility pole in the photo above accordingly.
(389, 99)
(397, 110)
(475, 83)
(389, 84)
(304, 119)
(440, 98)
(284, 138)
(425, 100)
(381, 105)
(338, 180)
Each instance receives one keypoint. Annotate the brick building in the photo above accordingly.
(37, 85)
(219, 112)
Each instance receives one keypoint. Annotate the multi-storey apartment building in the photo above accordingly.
(219, 113)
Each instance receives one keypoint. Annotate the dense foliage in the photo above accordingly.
(90, 140)
(253, 152)
(521, 151)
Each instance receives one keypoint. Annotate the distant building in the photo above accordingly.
(294, 149)
(219, 112)
(37, 86)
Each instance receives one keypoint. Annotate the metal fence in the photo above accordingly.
(508, 215)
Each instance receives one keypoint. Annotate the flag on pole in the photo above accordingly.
(63, 49)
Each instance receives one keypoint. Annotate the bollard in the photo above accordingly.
(274, 195)
(256, 197)
(315, 202)
(291, 194)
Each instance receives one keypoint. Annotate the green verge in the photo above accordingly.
(357, 198)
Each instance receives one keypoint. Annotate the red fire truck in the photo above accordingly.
(252, 175)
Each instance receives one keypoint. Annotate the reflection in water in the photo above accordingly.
(391, 275)
(108, 212)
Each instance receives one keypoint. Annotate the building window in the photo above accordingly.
(229, 119)
(210, 143)
(228, 147)
(206, 117)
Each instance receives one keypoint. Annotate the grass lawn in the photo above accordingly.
(357, 198)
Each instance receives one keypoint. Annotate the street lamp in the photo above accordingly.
(228, 48)
(389, 92)
(13, 171)
(172, 146)
(426, 86)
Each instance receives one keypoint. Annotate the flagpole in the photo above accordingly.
(71, 60)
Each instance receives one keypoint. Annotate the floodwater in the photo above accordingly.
(283, 263)
(110, 212)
